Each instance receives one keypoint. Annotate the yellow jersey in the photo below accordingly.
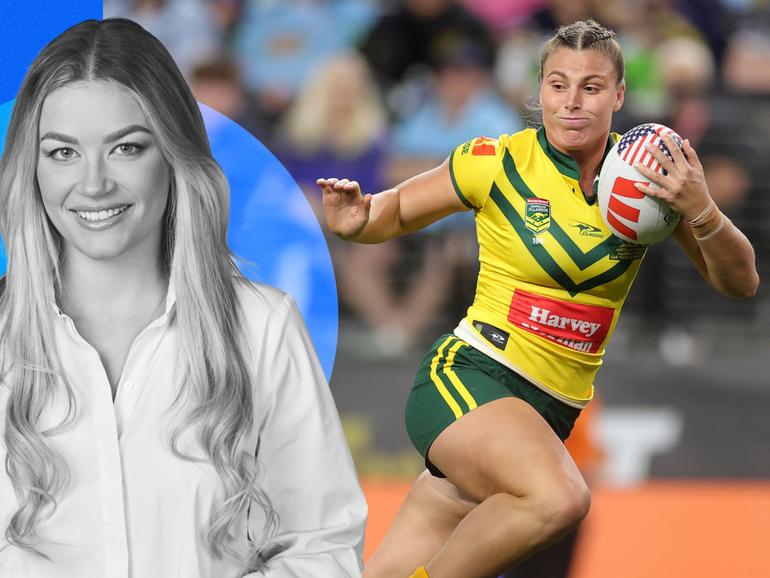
(553, 278)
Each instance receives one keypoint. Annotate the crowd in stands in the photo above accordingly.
(378, 90)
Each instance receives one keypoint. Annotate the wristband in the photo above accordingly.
(704, 214)
(708, 223)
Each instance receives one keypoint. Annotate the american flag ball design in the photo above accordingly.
(629, 213)
(631, 145)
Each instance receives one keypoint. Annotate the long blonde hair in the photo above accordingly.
(215, 395)
(344, 77)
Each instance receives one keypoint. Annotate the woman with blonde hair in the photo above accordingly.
(161, 415)
(339, 130)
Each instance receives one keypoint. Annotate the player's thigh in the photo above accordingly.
(486, 427)
(506, 446)
(452, 380)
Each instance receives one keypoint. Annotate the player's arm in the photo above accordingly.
(415, 203)
(726, 260)
(718, 249)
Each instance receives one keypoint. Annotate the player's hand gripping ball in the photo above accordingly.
(629, 213)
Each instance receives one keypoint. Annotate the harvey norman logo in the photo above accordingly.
(574, 325)
(545, 317)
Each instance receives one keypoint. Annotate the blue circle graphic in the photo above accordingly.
(272, 227)
(274, 230)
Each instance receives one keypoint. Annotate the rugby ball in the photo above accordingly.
(629, 213)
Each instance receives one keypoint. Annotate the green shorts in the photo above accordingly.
(454, 378)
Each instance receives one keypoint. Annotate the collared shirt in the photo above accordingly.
(134, 509)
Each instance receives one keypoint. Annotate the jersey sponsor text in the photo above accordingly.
(577, 326)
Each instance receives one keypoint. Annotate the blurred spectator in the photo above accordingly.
(228, 13)
(747, 79)
(400, 301)
(710, 17)
(217, 83)
(188, 28)
(400, 289)
(746, 65)
(732, 153)
(729, 142)
(504, 14)
(688, 70)
(337, 126)
(665, 20)
(462, 105)
(403, 44)
(517, 68)
(278, 44)
(558, 13)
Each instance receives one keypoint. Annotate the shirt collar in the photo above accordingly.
(170, 303)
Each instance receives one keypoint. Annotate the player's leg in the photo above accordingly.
(454, 382)
(555, 561)
(506, 456)
(430, 513)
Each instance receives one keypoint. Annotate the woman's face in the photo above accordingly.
(578, 94)
(103, 180)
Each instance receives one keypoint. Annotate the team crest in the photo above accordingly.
(538, 215)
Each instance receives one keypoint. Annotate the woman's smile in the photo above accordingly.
(102, 178)
(100, 219)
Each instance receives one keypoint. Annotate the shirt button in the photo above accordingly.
(129, 386)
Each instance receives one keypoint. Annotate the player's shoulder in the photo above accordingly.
(527, 135)
(481, 147)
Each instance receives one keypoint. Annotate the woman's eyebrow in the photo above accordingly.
(585, 78)
(118, 134)
(59, 136)
(113, 136)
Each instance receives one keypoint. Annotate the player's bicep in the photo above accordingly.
(428, 197)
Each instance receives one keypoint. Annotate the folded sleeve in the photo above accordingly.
(308, 472)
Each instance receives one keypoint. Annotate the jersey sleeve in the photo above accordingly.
(473, 166)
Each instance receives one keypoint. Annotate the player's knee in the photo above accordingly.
(562, 510)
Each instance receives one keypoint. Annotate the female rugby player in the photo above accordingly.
(493, 401)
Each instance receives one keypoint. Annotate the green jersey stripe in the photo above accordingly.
(455, 184)
(544, 258)
(582, 260)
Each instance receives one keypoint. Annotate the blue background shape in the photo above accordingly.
(27, 26)
(273, 230)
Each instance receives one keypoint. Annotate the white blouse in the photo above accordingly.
(134, 509)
